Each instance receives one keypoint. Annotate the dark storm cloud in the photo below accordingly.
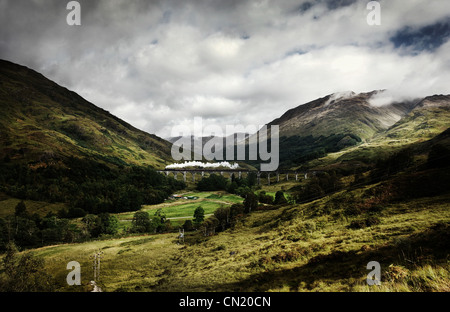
(428, 38)
(157, 64)
(330, 4)
(336, 4)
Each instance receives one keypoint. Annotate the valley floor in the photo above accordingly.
(291, 248)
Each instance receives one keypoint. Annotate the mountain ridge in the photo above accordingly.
(306, 116)
(342, 120)
(42, 119)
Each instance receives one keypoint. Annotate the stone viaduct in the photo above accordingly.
(239, 173)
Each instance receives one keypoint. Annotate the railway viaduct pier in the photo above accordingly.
(269, 176)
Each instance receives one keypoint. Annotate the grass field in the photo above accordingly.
(187, 210)
(180, 210)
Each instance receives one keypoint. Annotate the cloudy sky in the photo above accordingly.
(158, 64)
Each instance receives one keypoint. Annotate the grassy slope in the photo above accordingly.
(418, 126)
(42, 120)
(8, 205)
(293, 248)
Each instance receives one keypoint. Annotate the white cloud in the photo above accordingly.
(157, 64)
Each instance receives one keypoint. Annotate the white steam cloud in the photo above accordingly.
(225, 164)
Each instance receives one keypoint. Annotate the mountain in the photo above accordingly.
(342, 120)
(345, 112)
(429, 117)
(58, 150)
(354, 124)
(43, 121)
(427, 120)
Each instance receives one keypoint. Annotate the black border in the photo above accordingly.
(165, 302)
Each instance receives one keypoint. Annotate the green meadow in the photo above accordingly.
(180, 210)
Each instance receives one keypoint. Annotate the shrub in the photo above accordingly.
(286, 256)
(220, 247)
(188, 225)
(357, 224)
(352, 210)
(265, 199)
(367, 222)
(279, 198)
(396, 272)
(372, 220)
(250, 202)
(76, 213)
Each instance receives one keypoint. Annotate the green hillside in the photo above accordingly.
(64, 156)
(349, 122)
(42, 121)
(318, 246)
(331, 124)
(426, 121)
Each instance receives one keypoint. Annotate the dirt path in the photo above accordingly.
(177, 218)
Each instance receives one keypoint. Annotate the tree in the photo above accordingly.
(250, 202)
(223, 216)
(160, 225)
(24, 273)
(188, 226)
(279, 198)
(161, 215)
(212, 183)
(251, 179)
(209, 225)
(112, 225)
(160, 222)
(92, 225)
(199, 215)
(242, 191)
(232, 187)
(141, 222)
(130, 199)
(74, 213)
(5, 233)
(393, 164)
(25, 232)
(236, 210)
(21, 210)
